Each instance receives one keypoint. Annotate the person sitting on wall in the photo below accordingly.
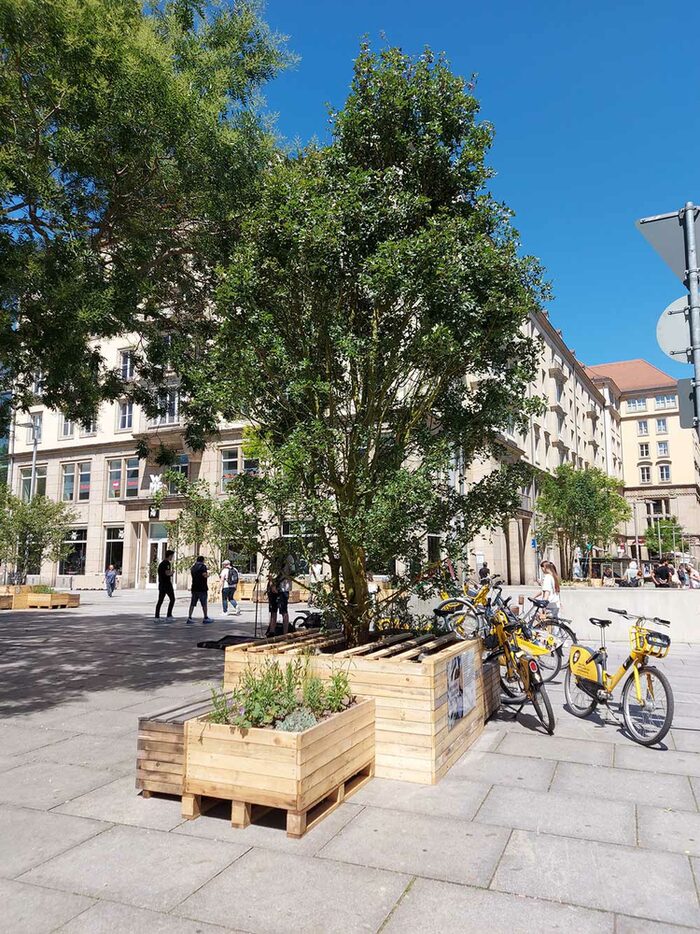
(661, 575)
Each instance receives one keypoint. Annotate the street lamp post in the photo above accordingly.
(32, 482)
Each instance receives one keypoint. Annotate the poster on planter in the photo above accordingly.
(461, 687)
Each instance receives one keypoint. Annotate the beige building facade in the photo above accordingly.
(661, 460)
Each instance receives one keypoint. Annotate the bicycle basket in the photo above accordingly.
(652, 642)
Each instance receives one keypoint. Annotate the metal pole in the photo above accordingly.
(636, 536)
(693, 282)
(35, 441)
(658, 532)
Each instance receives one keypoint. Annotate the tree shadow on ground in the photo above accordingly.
(48, 659)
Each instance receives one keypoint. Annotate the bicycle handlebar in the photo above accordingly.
(651, 619)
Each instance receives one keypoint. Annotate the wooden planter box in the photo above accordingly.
(51, 601)
(160, 748)
(307, 774)
(6, 601)
(19, 601)
(419, 732)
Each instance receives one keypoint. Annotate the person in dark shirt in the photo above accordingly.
(200, 585)
(662, 575)
(484, 572)
(165, 585)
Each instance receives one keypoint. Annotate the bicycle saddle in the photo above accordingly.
(540, 603)
(600, 622)
(443, 613)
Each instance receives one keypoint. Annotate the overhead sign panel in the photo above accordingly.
(665, 233)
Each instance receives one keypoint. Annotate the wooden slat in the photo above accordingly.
(429, 646)
(393, 649)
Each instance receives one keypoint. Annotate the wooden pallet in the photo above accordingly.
(160, 751)
(297, 822)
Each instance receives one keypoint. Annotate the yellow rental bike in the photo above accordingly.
(647, 698)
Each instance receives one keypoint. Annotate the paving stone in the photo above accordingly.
(441, 908)
(275, 893)
(48, 787)
(28, 837)
(434, 847)
(269, 831)
(103, 722)
(554, 747)
(111, 918)
(686, 740)
(631, 881)
(625, 925)
(10, 762)
(492, 768)
(568, 815)
(665, 829)
(453, 796)
(104, 752)
(145, 868)
(650, 760)
(120, 803)
(623, 785)
(27, 909)
(15, 740)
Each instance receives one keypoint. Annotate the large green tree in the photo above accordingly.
(129, 141)
(577, 508)
(32, 532)
(666, 530)
(371, 329)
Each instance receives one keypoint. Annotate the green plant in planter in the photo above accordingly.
(41, 588)
(272, 694)
(297, 721)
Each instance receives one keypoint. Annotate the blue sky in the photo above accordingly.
(595, 107)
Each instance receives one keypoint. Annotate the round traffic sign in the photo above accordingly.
(673, 330)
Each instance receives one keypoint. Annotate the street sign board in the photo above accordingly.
(686, 405)
(665, 233)
(673, 330)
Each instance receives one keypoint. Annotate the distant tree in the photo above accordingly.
(129, 143)
(33, 532)
(577, 508)
(371, 328)
(669, 530)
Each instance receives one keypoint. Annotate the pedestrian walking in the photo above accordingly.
(484, 572)
(229, 583)
(284, 588)
(165, 585)
(200, 589)
(272, 597)
(110, 580)
(550, 588)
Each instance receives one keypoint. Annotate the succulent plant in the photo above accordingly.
(297, 721)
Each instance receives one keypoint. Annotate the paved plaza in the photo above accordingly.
(584, 831)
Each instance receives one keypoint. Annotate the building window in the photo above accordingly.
(644, 450)
(75, 485)
(645, 474)
(123, 477)
(169, 408)
(25, 482)
(66, 427)
(35, 427)
(114, 548)
(126, 363)
(662, 448)
(231, 461)
(181, 467)
(74, 561)
(658, 509)
(38, 383)
(301, 538)
(126, 415)
(636, 405)
(664, 473)
(643, 427)
(88, 429)
(666, 402)
(661, 426)
(433, 542)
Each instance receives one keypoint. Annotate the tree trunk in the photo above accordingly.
(354, 603)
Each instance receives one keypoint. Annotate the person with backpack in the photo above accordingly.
(229, 583)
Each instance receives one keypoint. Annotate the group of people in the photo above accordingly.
(684, 577)
(199, 573)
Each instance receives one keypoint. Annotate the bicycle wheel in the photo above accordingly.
(564, 635)
(512, 687)
(650, 720)
(579, 703)
(550, 665)
(543, 707)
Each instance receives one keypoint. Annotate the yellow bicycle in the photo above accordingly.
(647, 698)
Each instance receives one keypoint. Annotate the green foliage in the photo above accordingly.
(297, 721)
(371, 329)
(671, 533)
(577, 507)
(33, 532)
(41, 588)
(271, 694)
(129, 141)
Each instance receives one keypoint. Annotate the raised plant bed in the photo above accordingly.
(421, 728)
(308, 774)
(50, 601)
(160, 748)
(6, 601)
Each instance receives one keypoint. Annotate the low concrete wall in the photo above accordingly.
(681, 607)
